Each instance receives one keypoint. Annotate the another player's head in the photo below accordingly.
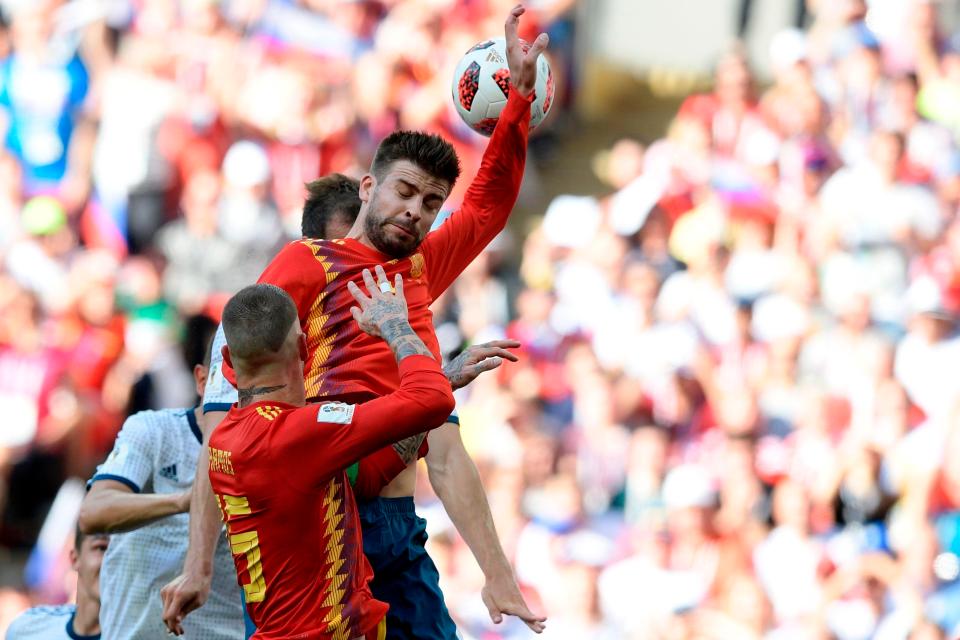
(86, 558)
(263, 334)
(331, 208)
(410, 178)
(197, 342)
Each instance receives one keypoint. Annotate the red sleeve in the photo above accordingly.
(487, 203)
(378, 469)
(298, 272)
(319, 440)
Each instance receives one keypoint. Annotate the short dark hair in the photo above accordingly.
(256, 321)
(198, 333)
(328, 197)
(430, 152)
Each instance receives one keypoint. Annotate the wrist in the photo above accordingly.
(199, 570)
(498, 571)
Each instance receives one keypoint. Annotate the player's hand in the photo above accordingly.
(522, 59)
(502, 596)
(384, 306)
(183, 594)
(476, 359)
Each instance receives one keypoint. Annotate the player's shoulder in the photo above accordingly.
(154, 419)
(38, 622)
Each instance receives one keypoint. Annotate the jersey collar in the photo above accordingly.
(194, 427)
(74, 635)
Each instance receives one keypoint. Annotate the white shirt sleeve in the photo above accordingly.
(132, 459)
(219, 394)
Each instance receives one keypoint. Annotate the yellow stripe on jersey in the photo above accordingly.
(268, 412)
(319, 340)
(338, 625)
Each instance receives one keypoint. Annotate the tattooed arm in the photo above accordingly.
(384, 313)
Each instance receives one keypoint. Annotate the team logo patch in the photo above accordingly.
(336, 412)
(416, 265)
(119, 453)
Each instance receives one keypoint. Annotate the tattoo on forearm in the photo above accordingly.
(408, 447)
(402, 339)
(245, 396)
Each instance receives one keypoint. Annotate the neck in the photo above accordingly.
(357, 233)
(86, 620)
(271, 384)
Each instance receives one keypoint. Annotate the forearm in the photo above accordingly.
(205, 523)
(494, 190)
(116, 511)
(455, 480)
(403, 340)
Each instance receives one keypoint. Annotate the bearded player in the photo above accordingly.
(409, 180)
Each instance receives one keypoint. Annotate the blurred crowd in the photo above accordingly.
(153, 160)
(734, 413)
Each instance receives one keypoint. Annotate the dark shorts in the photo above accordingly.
(404, 576)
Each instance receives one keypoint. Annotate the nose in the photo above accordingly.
(415, 211)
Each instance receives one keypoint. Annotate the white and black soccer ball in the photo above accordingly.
(481, 84)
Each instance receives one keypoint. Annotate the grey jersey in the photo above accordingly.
(156, 452)
(46, 623)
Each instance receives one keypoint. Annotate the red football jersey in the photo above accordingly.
(344, 361)
(292, 523)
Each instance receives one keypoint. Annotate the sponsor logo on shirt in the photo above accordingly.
(169, 472)
(336, 413)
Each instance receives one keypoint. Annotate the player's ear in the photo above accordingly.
(74, 559)
(225, 352)
(367, 184)
(302, 345)
(200, 378)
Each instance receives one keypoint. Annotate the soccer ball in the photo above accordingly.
(481, 84)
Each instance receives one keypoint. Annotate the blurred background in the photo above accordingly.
(734, 267)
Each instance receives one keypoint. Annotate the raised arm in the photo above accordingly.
(490, 198)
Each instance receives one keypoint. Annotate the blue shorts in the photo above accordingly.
(404, 576)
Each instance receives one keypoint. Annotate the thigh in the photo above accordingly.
(406, 578)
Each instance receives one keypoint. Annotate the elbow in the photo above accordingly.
(89, 520)
(437, 405)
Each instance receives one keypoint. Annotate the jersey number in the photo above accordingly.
(246, 543)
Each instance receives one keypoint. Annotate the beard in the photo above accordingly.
(375, 226)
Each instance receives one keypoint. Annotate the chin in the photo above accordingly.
(396, 248)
